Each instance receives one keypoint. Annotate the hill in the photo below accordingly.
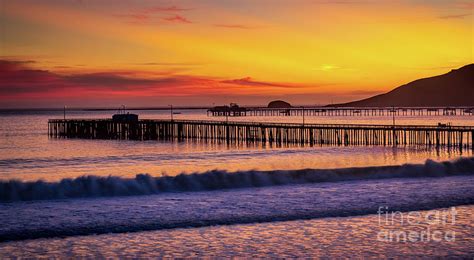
(455, 88)
(279, 104)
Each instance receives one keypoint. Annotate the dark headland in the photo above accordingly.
(455, 88)
(279, 104)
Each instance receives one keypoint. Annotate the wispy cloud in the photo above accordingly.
(20, 80)
(146, 14)
(455, 16)
(134, 18)
(106, 79)
(327, 67)
(19, 77)
(341, 2)
(248, 81)
(7, 63)
(235, 26)
(465, 4)
(186, 64)
(163, 9)
(177, 19)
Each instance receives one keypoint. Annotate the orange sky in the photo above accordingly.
(155, 53)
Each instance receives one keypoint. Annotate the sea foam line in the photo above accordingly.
(145, 184)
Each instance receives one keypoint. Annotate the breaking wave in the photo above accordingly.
(144, 184)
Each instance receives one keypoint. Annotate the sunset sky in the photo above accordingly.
(203, 52)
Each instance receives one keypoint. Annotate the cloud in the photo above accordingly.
(327, 67)
(106, 79)
(19, 77)
(340, 2)
(169, 64)
(134, 17)
(18, 71)
(22, 84)
(164, 9)
(13, 64)
(177, 19)
(455, 16)
(63, 67)
(235, 26)
(465, 5)
(146, 14)
(248, 81)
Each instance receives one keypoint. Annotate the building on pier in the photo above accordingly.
(232, 110)
(123, 116)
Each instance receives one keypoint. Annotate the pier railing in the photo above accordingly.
(347, 111)
(274, 133)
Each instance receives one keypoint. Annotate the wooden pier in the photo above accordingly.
(347, 111)
(461, 137)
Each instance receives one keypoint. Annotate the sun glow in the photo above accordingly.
(306, 51)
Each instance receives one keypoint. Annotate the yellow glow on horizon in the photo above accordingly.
(326, 47)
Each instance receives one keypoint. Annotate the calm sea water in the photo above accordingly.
(26, 152)
(289, 201)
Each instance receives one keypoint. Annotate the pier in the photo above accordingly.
(278, 134)
(344, 111)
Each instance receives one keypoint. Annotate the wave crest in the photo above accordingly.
(145, 184)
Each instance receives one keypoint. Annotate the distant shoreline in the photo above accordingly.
(208, 107)
(99, 109)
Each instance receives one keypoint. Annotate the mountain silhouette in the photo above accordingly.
(455, 88)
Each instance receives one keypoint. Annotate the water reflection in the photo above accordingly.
(27, 153)
(330, 237)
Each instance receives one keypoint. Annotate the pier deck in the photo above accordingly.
(347, 111)
(461, 137)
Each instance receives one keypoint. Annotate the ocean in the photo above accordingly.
(98, 198)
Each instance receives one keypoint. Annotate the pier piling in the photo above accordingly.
(273, 133)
